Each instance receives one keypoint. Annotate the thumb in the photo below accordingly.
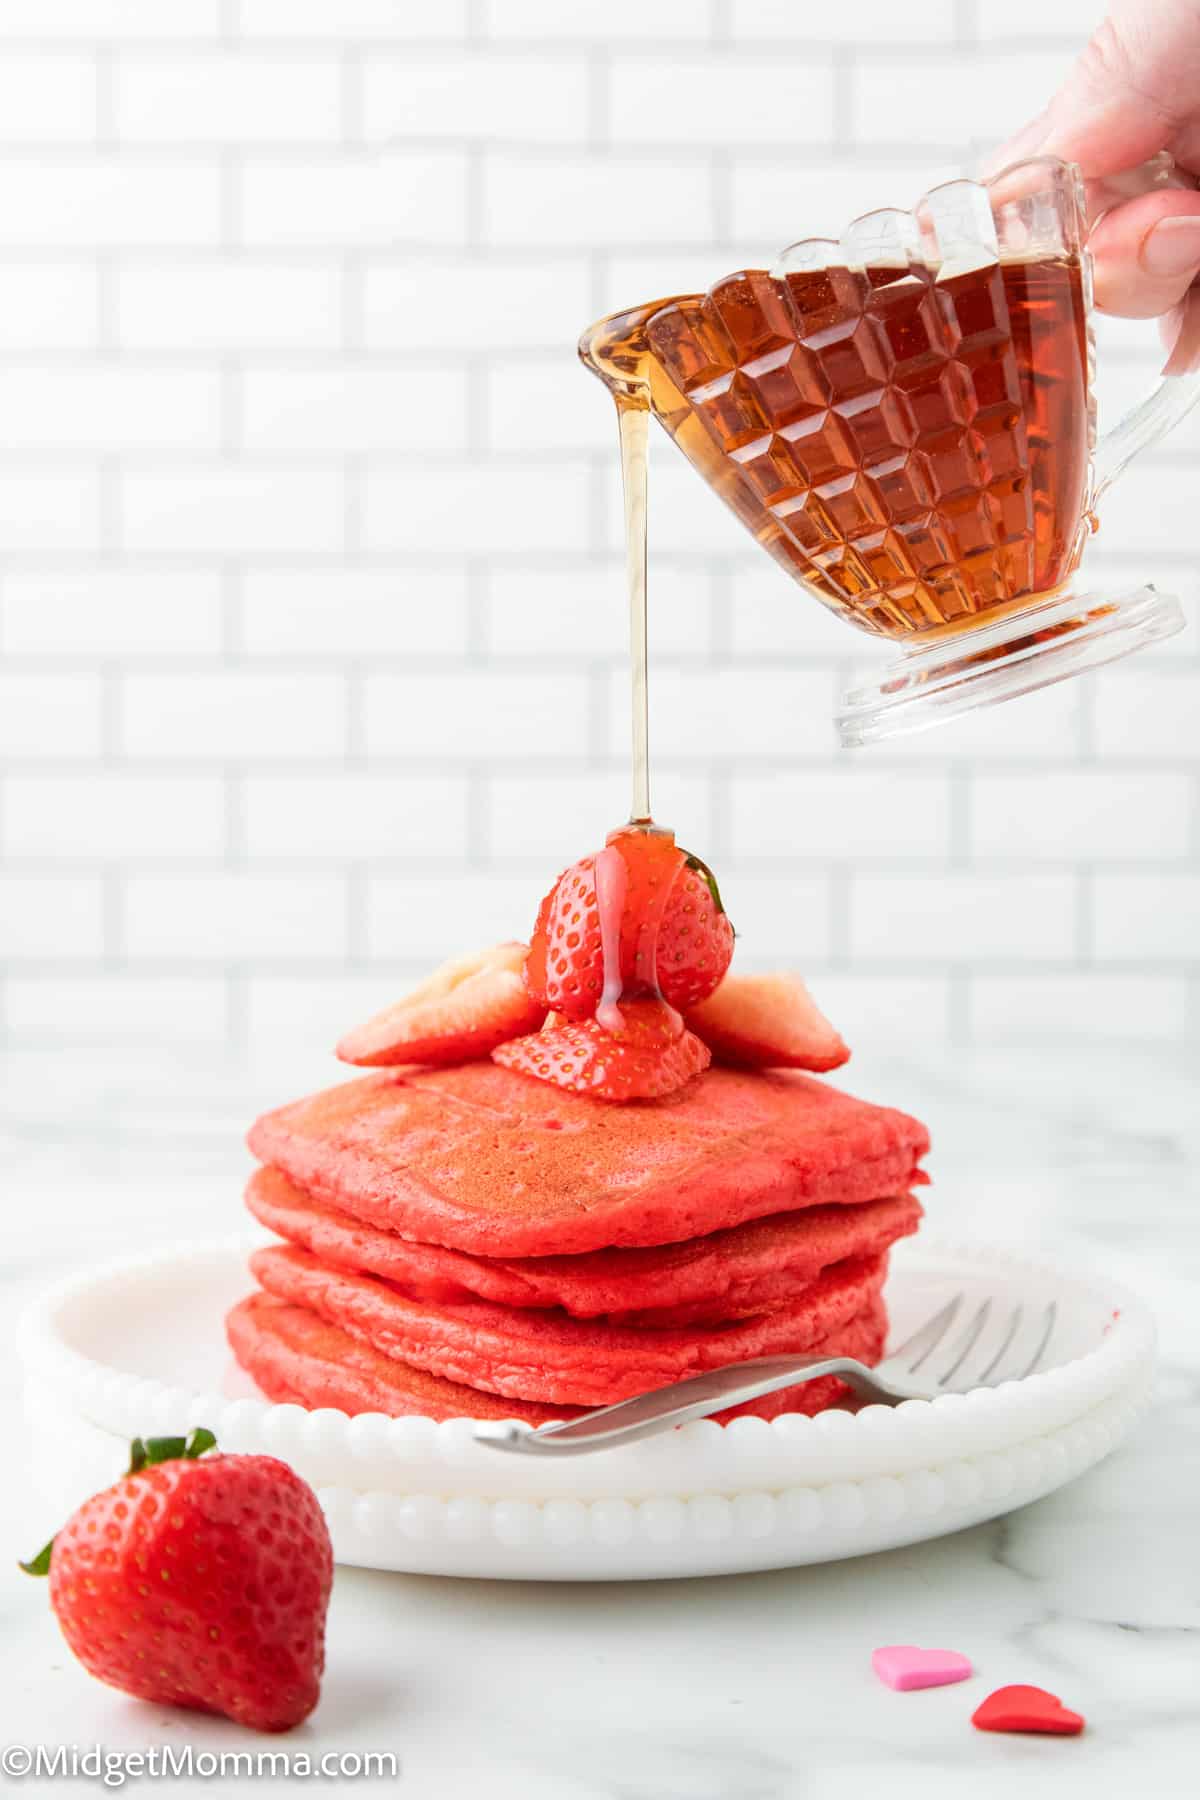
(1146, 253)
(1134, 91)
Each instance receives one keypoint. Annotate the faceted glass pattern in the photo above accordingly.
(902, 417)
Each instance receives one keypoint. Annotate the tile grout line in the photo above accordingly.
(104, 78)
(237, 1007)
(958, 1008)
(352, 98)
(230, 227)
(961, 806)
(843, 109)
(720, 807)
(232, 601)
(355, 473)
(112, 882)
(839, 903)
(355, 753)
(232, 407)
(357, 915)
(1085, 917)
(477, 819)
(598, 126)
(477, 621)
(721, 182)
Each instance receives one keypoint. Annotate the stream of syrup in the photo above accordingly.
(612, 351)
(632, 998)
(633, 423)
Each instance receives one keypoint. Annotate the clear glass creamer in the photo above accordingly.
(904, 418)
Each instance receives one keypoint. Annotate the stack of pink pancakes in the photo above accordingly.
(469, 1241)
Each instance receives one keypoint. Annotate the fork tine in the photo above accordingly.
(926, 1338)
(970, 1339)
(1049, 1322)
(1014, 1325)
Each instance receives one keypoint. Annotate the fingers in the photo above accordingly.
(1135, 90)
(1146, 253)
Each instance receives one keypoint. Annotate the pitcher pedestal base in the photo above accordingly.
(1066, 634)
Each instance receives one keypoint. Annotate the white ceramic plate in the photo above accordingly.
(138, 1347)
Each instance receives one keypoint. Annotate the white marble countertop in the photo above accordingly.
(747, 1687)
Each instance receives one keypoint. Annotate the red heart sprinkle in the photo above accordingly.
(1026, 1709)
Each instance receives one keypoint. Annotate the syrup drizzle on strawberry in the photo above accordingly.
(649, 844)
(612, 882)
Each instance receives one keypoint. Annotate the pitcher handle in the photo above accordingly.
(1143, 425)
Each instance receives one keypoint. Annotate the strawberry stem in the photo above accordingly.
(710, 880)
(143, 1454)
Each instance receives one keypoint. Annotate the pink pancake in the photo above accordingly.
(546, 1355)
(295, 1356)
(745, 1269)
(485, 1160)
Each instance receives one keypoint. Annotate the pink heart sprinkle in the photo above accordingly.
(907, 1666)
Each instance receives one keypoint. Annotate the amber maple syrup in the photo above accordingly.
(633, 423)
(914, 447)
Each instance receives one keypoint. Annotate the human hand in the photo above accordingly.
(1135, 91)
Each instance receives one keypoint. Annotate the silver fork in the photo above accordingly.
(971, 1359)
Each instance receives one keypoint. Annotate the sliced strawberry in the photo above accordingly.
(767, 1022)
(565, 967)
(667, 924)
(653, 1056)
(460, 1013)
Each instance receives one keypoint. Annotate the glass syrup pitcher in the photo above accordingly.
(904, 418)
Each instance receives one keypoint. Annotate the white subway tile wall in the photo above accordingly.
(311, 614)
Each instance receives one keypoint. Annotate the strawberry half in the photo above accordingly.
(650, 1055)
(565, 966)
(462, 1012)
(695, 940)
(667, 909)
(767, 1022)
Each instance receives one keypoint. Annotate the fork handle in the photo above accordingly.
(694, 1398)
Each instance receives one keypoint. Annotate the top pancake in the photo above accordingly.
(483, 1159)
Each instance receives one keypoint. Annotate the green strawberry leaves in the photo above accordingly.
(710, 880)
(144, 1453)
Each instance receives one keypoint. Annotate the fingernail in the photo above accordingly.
(1172, 247)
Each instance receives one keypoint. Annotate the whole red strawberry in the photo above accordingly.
(668, 912)
(198, 1580)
